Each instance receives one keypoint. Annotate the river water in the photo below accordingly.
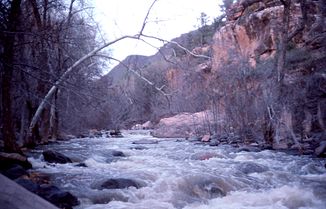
(177, 174)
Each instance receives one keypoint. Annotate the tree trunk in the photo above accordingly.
(8, 59)
(54, 118)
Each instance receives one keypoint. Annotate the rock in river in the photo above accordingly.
(250, 167)
(55, 157)
(146, 141)
(14, 172)
(120, 183)
(58, 197)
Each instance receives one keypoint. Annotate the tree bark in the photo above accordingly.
(10, 144)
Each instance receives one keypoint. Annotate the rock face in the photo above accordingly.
(252, 35)
(242, 84)
(183, 125)
(55, 157)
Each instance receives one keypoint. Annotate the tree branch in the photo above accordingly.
(159, 89)
(178, 45)
(145, 19)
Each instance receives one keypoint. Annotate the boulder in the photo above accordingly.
(55, 157)
(116, 153)
(15, 172)
(9, 159)
(120, 183)
(214, 142)
(58, 197)
(115, 133)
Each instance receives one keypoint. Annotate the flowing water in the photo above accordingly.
(180, 174)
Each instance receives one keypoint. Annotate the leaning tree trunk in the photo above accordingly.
(54, 122)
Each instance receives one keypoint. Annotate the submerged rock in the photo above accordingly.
(205, 156)
(246, 148)
(55, 157)
(116, 153)
(139, 147)
(119, 183)
(106, 197)
(81, 165)
(249, 167)
(146, 141)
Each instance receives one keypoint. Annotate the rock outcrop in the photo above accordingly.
(183, 125)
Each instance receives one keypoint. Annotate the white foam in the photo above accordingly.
(285, 197)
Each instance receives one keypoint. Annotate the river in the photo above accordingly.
(177, 174)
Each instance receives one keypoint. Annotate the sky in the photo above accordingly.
(168, 19)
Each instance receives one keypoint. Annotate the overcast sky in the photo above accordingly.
(168, 19)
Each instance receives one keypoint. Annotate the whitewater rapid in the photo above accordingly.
(177, 174)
